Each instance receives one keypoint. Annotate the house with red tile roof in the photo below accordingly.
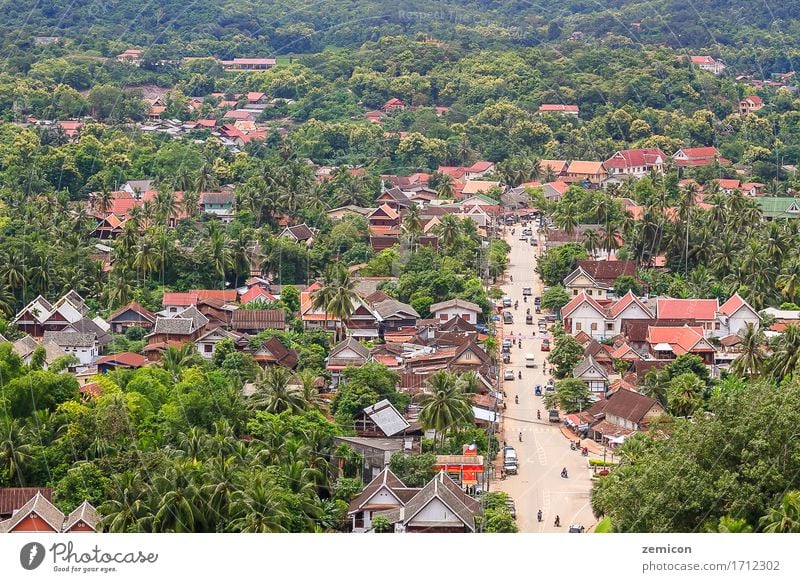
(596, 277)
(478, 170)
(122, 360)
(750, 104)
(734, 315)
(703, 311)
(727, 185)
(556, 167)
(256, 293)
(175, 302)
(692, 157)
(130, 57)
(707, 63)
(393, 104)
(248, 64)
(601, 320)
(636, 163)
(384, 216)
(559, 108)
(667, 343)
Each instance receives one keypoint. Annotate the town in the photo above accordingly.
(248, 293)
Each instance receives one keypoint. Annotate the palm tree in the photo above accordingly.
(190, 202)
(15, 450)
(789, 280)
(786, 353)
(218, 250)
(591, 241)
(784, 518)
(449, 232)
(274, 393)
(684, 394)
(176, 497)
(445, 406)
(338, 297)
(412, 226)
(125, 510)
(566, 217)
(175, 359)
(103, 201)
(259, 509)
(751, 359)
(206, 180)
(445, 189)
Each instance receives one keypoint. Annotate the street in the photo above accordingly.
(544, 451)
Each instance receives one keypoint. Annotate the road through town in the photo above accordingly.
(544, 451)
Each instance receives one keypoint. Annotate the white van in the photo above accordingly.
(530, 361)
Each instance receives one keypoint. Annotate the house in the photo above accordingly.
(381, 419)
(477, 186)
(301, 233)
(558, 108)
(130, 57)
(622, 413)
(667, 343)
(120, 361)
(636, 163)
(40, 315)
(219, 204)
(395, 314)
(273, 353)
(750, 104)
(26, 346)
(131, 315)
(13, 498)
(376, 452)
(596, 278)
(446, 310)
(349, 210)
(174, 331)
(252, 321)
(585, 314)
(384, 492)
(775, 208)
(702, 311)
(349, 353)
(706, 63)
(207, 343)
(384, 217)
(593, 374)
(393, 104)
(693, 157)
(83, 346)
(439, 507)
(176, 302)
(554, 191)
(733, 317)
(39, 515)
(394, 198)
(256, 293)
(137, 188)
(71, 128)
(552, 169)
(478, 170)
(316, 318)
(591, 173)
(248, 64)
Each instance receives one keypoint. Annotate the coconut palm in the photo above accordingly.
(338, 297)
(566, 217)
(15, 450)
(751, 360)
(126, 510)
(175, 359)
(449, 232)
(788, 281)
(684, 394)
(445, 188)
(785, 353)
(259, 509)
(591, 241)
(785, 518)
(274, 393)
(445, 406)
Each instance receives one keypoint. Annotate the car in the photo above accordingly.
(506, 358)
(523, 237)
(550, 388)
(545, 345)
(527, 231)
(511, 508)
(553, 416)
(537, 301)
(506, 301)
(507, 317)
(508, 375)
(551, 382)
(533, 242)
(507, 343)
(529, 319)
(576, 528)
(526, 291)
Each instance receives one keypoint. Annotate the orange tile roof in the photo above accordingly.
(579, 300)
(699, 309)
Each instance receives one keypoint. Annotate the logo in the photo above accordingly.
(31, 555)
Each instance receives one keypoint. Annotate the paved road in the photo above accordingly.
(544, 451)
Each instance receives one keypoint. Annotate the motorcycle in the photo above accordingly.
(572, 446)
(539, 516)
(525, 299)
(585, 452)
(557, 522)
(516, 399)
(516, 305)
(564, 473)
(538, 415)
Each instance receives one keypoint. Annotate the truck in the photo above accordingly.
(530, 361)
(510, 460)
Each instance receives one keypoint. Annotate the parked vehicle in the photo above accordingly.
(526, 291)
(508, 318)
(538, 391)
(507, 343)
(529, 319)
(545, 345)
(542, 325)
(533, 242)
(553, 416)
(537, 301)
(576, 528)
(506, 301)
(511, 508)
(506, 357)
(530, 361)
(508, 374)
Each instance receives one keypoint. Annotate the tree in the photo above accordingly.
(559, 262)
(555, 298)
(565, 354)
(685, 394)
(625, 283)
(414, 470)
(380, 524)
(445, 406)
(337, 297)
(751, 359)
(571, 395)
(274, 394)
(785, 518)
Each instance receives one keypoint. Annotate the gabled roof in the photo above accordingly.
(255, 293)
(384, 479)
(680, 340)
(12, 498)
(579, 300)
(198, 319)
(124, 359)
(605, 271)
(587, 364)
(225, 295)
(625, 352)
(586, 167)
(754, 99)
(179, 299)
(456, 324)
(457, 303)
(300, 232)
(85, 513)
(24, 346)
(475, 349)
(390, 307)
(258, 319)
(700, 309)
(136, 308)
(624, 302)
(629, 405)
(173, 326)
(336, 360)
(557, 166)
(42, 507)
(734, 304)
(386, 417)
(397, 195)
(384, 208)
(71, 339)
(636, 158)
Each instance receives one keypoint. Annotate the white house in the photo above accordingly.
(593, 374)
(733, 317)
(585, 314)
(84, 346)
(447, 310)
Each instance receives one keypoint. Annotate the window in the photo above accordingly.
(208, 348)
(575, 292)
(443, 317)
(594, 327)
(589, 292)
(717, 325)
(609, 327)
(578, 326)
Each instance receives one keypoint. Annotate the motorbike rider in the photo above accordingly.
(538, 414)
(520, 436)
(564, 473)
(516, 399)
(557, 522)
(519, 374)
(539, 515)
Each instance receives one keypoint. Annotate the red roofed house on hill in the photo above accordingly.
(559, 108)
(706, 63)
(667, 343)
(698, 157)
(636, 163)
(248, 64)
(750, 104)
(392, 104)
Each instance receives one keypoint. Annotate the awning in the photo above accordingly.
(483, 414)
(572, 420)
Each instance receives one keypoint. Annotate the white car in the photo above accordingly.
(508, 375)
